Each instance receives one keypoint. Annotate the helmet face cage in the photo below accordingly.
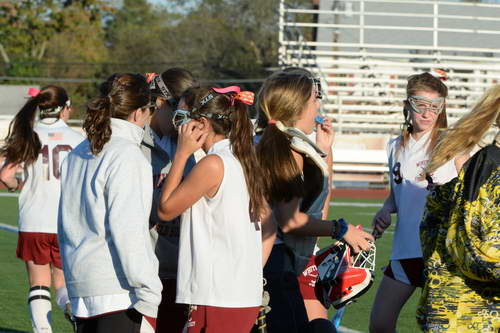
(366, 259)
(342, 278)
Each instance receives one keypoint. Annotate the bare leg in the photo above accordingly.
(38, 275)
(390, 299)
(315, 309)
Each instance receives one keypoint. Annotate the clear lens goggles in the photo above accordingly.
(180, 118)
(151, 107)
(317, 88)
(421, 104)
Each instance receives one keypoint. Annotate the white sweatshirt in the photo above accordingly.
(103, 221)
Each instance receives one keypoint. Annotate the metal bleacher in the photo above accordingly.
(364, 51)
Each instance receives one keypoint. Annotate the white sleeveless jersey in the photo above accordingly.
(410, 194)
(220, 254)
(39, 198)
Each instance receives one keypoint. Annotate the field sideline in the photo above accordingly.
(14, 285)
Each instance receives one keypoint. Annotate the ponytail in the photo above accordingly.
(281, 172)
(22, 144)
(121, 95)
(241, 139)
(97, 123)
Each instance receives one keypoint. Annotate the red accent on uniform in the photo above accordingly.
(212, 319)
(307, 280)
(41, 248)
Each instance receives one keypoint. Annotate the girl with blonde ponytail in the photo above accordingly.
(461, 227)
(296, 186)
(38, 147)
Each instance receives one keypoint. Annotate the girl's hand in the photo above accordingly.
(381, 221)
(191, 138)
(325, 135)
(358, 239)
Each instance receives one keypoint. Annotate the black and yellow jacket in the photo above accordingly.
(460, 235)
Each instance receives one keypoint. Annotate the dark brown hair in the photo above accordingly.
(178, 80)
(425, 82)
(22, 144)
(127, 93)
(282, 97)
(234, 124)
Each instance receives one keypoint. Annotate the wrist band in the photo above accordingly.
(342, 229)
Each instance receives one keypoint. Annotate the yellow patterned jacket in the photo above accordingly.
(460, 235)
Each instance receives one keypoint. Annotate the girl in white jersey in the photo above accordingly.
(425, 115)
(39, 150)
(109, 263)
(296, 176)
(221, 201)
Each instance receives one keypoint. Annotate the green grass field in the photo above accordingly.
(14, 284)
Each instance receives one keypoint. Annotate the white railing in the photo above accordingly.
(366, 76)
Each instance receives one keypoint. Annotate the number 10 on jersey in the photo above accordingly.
(53, 162)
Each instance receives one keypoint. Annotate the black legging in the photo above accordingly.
(124, 322)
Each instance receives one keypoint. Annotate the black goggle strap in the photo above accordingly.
(317, 85)
(158, 82)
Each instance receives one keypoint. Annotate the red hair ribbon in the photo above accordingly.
(246, 97)
(33, 92)
(439, 74)
(272, 122)
(150, 77)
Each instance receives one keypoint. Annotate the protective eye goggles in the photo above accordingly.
(182, 117)
(151, 107)
(420, 104)
(317, 88)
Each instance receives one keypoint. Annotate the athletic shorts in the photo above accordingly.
(408, 271)
(130, 321)
(212, 319)
(41, 248)
(307, 280)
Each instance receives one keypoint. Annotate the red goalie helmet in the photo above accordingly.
(341, 277)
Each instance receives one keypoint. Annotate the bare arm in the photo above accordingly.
(176, 196)
(326, 206)
(8, 176)
(269, 230)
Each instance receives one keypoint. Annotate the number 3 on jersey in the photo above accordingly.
(55, 159)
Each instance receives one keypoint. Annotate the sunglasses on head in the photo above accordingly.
(420, 104)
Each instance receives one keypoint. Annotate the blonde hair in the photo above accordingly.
(283, 97)
(468, 131)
